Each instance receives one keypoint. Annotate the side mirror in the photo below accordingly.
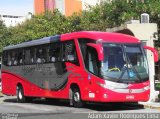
(154, 51)
(99, 50)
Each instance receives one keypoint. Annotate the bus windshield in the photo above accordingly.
(124, 63)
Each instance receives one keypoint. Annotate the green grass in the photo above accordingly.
(157, 86)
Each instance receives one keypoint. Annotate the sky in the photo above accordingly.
(16, 7)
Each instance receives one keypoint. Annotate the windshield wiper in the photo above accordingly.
(133, 68)
(126, 68)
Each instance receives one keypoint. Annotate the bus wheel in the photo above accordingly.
(76, 98)
(20, 95)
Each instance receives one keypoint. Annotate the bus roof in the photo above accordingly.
(41, 41)
(104, 36)
(95, 35)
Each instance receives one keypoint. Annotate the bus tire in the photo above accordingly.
(76, 98)
(20, 95)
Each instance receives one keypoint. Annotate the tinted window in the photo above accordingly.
(91, 60)
(54, 52)
(9, 58)
(20, 56)
(5, 57)
(69, 52)
(32, 55)
(27, 56)
(12, 58)
(41, 56)
(83, 45)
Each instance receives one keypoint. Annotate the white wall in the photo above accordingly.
(60, 5)
(10, 20)
(85, 3)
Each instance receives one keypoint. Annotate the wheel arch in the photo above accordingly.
(74, 85)
(73, 88)
(19, 84)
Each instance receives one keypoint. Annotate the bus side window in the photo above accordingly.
(27, 56)
(33, 55)
(47, 53)
(5, 58)
(13, 59)
(15, 62)
(91, 60)
(69, 52)
(41, 55)
(20, 57)
(54, 52)
(9, 59)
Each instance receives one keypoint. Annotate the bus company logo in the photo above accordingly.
(130, 97)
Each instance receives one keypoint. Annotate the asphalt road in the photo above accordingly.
(42, 109)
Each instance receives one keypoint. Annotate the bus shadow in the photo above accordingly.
(90, 106)
(94, 106)
(53, 102)
(13, 100)
(114, 107)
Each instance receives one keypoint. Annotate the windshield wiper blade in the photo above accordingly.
(134, 69)
(124, 69)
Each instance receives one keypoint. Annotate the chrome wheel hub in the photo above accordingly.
(76, 97)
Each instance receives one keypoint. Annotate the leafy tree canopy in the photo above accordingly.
(99, 17)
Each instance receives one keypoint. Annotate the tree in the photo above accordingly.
(97, 18)
(4, 35)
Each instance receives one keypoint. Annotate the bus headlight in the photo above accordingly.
(102, 85)
(147, 88)
(105, 86)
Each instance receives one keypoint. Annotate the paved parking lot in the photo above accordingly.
(61, 109)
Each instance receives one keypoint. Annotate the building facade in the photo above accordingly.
(66, 7)
(12, 20)
(39, 6)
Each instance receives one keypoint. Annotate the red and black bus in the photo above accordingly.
(79, 66)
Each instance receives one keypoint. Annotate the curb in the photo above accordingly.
(151, 107)
(1, 95)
